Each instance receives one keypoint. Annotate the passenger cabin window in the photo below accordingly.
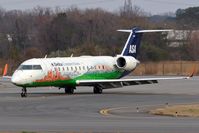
(30, 67)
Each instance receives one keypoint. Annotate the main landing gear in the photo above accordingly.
(24, 92)
(69, 90)
(97, 90)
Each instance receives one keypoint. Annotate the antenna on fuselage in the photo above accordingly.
(46, 56)
(71, 55)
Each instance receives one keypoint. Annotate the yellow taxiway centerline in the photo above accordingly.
(107, 110)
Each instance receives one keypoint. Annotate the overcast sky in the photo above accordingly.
(152, 6)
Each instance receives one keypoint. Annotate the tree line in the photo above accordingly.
(62, 32)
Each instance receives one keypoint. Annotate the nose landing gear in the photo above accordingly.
(24, 92)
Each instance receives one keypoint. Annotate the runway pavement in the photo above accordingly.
(49, 110)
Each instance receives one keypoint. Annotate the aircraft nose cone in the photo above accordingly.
(17, 80)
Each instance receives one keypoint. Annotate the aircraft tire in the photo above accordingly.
(69, 90)
(97, 90)
(24, 92)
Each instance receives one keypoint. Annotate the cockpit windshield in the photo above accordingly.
(30, 67)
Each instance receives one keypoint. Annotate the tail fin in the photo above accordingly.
(5, 70)
(132, 45)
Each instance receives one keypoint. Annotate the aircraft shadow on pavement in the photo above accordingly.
(53, 94)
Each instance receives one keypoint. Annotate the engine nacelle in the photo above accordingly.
(127, 63)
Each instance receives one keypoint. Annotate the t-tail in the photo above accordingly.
(132, 46)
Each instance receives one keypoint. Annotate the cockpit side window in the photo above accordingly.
(37, 67)
(30, 67)
(25, 67)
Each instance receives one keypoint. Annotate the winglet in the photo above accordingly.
(5, 70)
(193, 71)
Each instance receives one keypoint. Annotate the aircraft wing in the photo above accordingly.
(6, 77)
(115, 83)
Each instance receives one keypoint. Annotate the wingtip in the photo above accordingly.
(193, 72)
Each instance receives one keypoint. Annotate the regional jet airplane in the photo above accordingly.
(100, 72)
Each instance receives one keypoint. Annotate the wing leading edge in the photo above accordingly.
(116, 83)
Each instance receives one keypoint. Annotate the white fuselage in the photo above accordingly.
(57, 69)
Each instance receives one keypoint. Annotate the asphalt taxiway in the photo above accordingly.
(117, 110)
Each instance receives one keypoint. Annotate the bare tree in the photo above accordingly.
(193, 45)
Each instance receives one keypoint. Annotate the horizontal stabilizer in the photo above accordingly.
(145, 31)
(125, 31)
(149, 31)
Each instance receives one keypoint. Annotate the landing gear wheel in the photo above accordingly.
(24, 92)
(97, 90)
(69, 90)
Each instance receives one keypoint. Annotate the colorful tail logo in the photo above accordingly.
(132, 45)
